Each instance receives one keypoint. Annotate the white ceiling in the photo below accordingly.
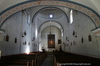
(94, 4)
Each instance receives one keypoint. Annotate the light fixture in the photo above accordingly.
(51, 15)
(27, 50)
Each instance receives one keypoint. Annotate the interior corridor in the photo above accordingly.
(49, 61)
(49, 32)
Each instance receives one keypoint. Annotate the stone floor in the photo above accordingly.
(49, 61)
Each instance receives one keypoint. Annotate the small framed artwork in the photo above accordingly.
(7, 38)
(15, 40)
(89, 38)
(59, 41)
(82, 40)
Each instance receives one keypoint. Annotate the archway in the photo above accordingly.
(50, 27)
(16, 8)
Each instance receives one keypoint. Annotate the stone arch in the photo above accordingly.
(44, 8)
(52, 22)
(89, 12)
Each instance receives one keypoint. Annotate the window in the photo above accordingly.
(71, 16)
(51, 15)
(28, 18)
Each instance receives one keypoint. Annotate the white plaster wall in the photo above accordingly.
(98, 47)
(11, 27)
(25, 27)
(83, 26)
(15, 26)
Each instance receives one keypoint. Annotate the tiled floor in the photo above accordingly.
(49, 61)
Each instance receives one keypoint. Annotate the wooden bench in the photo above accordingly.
(65, 58)
(32, 59)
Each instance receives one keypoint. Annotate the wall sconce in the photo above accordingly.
(24, 34)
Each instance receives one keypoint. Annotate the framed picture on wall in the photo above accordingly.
(59, 41)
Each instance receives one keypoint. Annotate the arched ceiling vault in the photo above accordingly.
(53, 23)
(45, 11)
(72, 5)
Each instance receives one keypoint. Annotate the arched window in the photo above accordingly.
(28, 17)
(71, 16)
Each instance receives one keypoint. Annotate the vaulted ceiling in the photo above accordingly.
(93, 4)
